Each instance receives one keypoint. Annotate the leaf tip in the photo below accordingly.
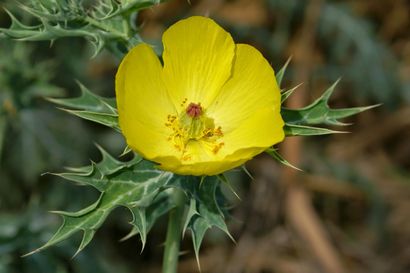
(31, 253)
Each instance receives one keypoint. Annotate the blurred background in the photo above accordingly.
(349, 211)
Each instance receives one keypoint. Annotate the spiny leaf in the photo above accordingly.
(87, 101)
(191, 212)
(208, 212)
(90, 177)
(72, 224)
(134, 184)
(301, 130)
(319, 112)
(109, 9)
(109, 165)
(87, 237)
(198, 227)
(110, 120)
(43, 32)
(80, 212)
(105, 24)
(17, 29)
(160, 205)
(139, 223)
(91, 107)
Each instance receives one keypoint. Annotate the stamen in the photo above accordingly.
(217, 147)
(193, 125)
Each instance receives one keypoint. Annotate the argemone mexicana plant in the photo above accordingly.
(210, 107)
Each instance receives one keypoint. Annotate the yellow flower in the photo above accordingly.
(212, 106)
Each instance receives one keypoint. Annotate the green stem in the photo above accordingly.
(174, 234)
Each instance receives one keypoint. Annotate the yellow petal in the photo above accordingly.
(198, 57)
(252, 87)
(260, 131)
(143, 103)
(211, 167)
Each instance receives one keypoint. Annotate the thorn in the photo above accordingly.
(247, 172)
(197, 261)
(202, 180)
(76, 253)
(31, 252)
(226, 181)
(275, 155)
(127, 149)
(326, 95)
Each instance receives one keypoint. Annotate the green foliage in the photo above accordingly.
(134, 184)
(204, 210)
(91, 107)
(319, 112)
(147, 193)
(298, 121)
(104, 24)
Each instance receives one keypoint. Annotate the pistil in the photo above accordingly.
(194, 110)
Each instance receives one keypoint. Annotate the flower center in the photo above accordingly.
(194, 110)
(193, 125)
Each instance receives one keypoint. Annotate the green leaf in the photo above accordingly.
(109, 165)
(87, 223)
(275, 155)
(139, 222)
(110, 120)
(109, 9)
(300, 130)
(205, 211)
(91, 107)
(319, 112)
(44, 31)
(135, 184)
(106, 24)
(191, 212)
(87, 101)
(147, 193)
(160, 205)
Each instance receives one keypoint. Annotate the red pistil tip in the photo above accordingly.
(194, 110)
